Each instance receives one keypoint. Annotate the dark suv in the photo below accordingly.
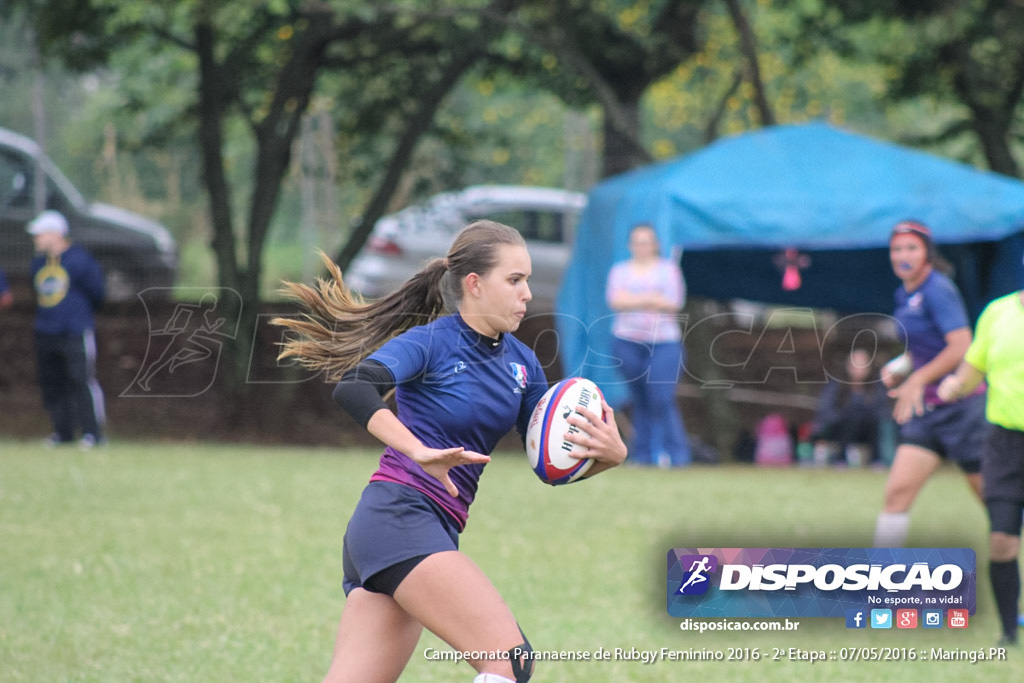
(136, 253)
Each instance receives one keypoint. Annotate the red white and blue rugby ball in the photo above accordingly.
(546, 447)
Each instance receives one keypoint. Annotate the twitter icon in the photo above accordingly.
(881, 618)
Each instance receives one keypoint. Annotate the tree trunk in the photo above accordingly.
(211, 144)
(748, 44)
(275, 134)
(993, 136)
(620, 148)
(414, 129)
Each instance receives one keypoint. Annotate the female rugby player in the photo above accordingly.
(461, 382)
(937, 332)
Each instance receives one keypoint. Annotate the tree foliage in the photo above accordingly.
(259, 66)
(610, 52)
(968, 53)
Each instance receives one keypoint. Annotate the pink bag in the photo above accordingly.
(774, 444)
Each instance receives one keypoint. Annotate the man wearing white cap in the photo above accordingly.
(69, 289)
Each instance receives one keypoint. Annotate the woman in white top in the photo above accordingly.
(646, 292)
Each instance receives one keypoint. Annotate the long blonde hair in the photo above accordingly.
(338, 329)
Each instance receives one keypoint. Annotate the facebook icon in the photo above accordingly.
(856, 618)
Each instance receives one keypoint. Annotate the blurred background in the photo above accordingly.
(258, 133)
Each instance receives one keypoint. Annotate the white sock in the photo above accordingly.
(891, 529)
(492, 678)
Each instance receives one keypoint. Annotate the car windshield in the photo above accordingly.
(534, 225)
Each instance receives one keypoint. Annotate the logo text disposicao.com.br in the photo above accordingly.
(705, 625)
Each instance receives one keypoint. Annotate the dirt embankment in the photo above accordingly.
(160, 366)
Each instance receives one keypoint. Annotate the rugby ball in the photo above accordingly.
(546, 447)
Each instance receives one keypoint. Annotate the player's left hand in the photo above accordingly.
(950, 388)
(599, 434)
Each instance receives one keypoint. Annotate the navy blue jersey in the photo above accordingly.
(926, 316)
(455, 387)
(69, 289)
(3, 282)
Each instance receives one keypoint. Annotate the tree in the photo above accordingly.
(619, 49)
(426, 85)
(945, 51)
(260, 66)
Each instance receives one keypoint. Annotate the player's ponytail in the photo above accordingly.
(338, 329)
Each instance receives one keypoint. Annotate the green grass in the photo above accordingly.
(156, 562)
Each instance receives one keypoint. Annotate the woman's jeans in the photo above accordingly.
(651, 372)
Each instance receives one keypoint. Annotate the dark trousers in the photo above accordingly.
(858, 423)
(67, 377)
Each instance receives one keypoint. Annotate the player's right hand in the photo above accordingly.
(909, 400)
(438, 461)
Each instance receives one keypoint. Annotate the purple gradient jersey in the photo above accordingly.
(926, 316)
(457, 388)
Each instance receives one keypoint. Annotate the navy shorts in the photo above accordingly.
(1003, 470)
(391, 525)
(955, 431)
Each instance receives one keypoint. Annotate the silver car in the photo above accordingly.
(401, 243)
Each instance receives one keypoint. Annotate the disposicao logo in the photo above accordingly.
(818, 582)
(696, 580)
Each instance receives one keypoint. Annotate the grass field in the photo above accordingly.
(191, 562)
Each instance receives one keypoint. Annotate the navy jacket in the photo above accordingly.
(69, 290)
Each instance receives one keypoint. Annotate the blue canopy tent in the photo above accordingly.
(736, 206)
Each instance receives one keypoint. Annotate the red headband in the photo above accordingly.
(919, 230)
(912, 228)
